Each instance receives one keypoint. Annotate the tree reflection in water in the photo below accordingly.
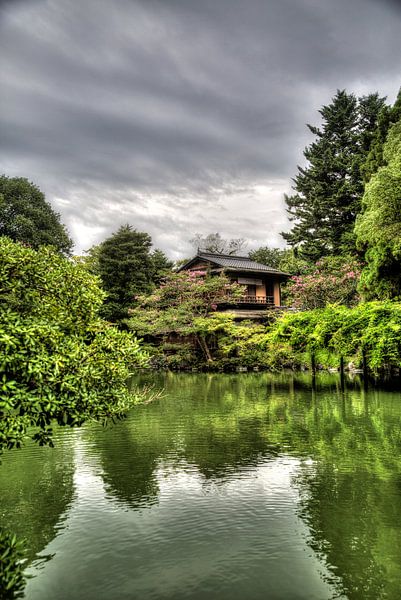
(224, 427)
(36, 490)
(348, 443)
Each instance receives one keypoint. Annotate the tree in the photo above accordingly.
(161, 266)
(25, 216)
(90, 260)
(268, 256)
(378, 228)
(126, 270)
(215, 244)
(329, 189)
(388, 115)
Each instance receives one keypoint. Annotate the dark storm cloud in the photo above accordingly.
(179, 116)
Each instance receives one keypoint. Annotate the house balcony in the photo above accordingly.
(250, 301)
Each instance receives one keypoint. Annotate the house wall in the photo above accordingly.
(276, 293)
(261, 290)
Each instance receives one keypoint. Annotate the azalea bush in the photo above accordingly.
(331, 280)
(182, 321)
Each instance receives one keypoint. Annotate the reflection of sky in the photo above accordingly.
(214, 538)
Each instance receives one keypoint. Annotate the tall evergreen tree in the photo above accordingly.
(126, 270)
(388, 115)
(329, 189)
(26, 216)
(378, 228)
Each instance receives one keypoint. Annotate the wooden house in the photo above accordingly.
(261, 283)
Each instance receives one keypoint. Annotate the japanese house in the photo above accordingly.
(261, 283)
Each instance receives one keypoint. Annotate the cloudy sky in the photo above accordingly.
(179, 116)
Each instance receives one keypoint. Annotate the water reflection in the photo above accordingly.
(36, 490)
(222, 424)
(213, 487)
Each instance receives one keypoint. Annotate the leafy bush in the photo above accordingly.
(59, 361)
(12, 580)
(369, 330)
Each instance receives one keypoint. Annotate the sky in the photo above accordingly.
(180, 116)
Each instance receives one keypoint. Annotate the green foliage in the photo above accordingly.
(271, 257)
(292, 263)
(161, 266)
(12, 580)
(59, 361)
(331, 280)
(329, 189)
(388, 115)
(378, 228)
(180, 299)
(26, 217)
(90, 260)
(126, 270)
(370, 330)
(181, 316)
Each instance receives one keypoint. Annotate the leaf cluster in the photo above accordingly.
(59, 362)
(371, 330)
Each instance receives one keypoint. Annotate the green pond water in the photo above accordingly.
(229, 487)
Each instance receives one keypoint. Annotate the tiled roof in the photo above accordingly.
(240, 263)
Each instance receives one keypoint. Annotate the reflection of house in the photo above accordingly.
(262, 283)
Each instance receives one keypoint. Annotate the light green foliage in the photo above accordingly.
(90, 260)
(180, 299)
(59, 361)
(12, 580)
(26, 217)
(369, 329)
(181, 316)
(378, 228)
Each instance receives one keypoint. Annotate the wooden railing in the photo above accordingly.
(249, 300)
(257, 300)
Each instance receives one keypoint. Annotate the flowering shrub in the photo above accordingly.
(331, 281)
(184, 308)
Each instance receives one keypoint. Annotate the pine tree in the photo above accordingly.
(161, 265)
(330, 187)
(126, 270)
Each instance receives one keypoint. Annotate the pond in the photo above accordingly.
(229, 487)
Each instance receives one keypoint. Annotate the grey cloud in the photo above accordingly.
(168, 113)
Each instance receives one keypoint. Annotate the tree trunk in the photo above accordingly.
(202, 343)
